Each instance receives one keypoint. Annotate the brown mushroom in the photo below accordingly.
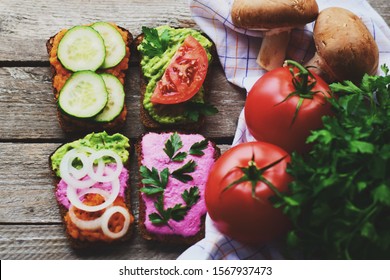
(276, 18)
(346, 50)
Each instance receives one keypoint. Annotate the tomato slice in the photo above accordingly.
(184, 75)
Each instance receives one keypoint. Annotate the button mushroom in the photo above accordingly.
(346, 50)
(276, 18)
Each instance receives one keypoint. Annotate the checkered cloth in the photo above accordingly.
(237, 50)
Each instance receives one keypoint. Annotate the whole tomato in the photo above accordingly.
(238, 190)
(285, 104)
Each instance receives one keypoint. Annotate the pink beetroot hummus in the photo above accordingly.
(154, 156)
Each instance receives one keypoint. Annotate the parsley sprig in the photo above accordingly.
(177, 212)
(339, 202)
(181, 173)
(172, 145)
(154, 181)
(191, 197)
(197, 148)
(196, 109)
(153, 44)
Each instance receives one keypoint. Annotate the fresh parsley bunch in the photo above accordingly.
(340, 200)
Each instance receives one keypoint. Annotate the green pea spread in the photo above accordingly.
(154, 67)
(97, 141)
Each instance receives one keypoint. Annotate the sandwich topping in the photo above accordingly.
(92, 186)
(89, 62)
(174, 63)
(63, 73)
(174, 172)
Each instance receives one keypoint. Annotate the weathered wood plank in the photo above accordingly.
(44, 242)
(382, 7)
(28, 109)
(27, 184)
(26, 25)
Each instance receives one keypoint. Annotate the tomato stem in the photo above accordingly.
(254, 175)
(303, 82)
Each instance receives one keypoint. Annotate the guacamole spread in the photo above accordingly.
(153, 68)
(97, 141)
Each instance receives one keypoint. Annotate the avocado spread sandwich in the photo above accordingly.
(92, 190)
(174, 66)
(88, 63)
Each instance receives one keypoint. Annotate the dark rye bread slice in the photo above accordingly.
(71, 124)
(76, 243)
(169, 239)
(147, 120)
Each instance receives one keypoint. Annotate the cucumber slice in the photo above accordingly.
(116, 99)
(81, 48)
(114, 44)
(84, 95)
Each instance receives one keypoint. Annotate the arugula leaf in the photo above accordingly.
(195, 109)
(154, 181)
(339, 201)
(172, 145)
(197, 148)
(153, 44)
(181, 174)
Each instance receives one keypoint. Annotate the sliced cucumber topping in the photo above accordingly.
(81, 48)
(114, 44)
(84, 95)
(116, 99)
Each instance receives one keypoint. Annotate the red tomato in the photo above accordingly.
(272, 116)
(247, 216)
(184, 75)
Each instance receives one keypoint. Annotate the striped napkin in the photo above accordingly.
(237, 50)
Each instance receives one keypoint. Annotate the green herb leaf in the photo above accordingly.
(361, 147)
(191, 197)
(176, 213)
(172, 145)
(382, 194)
(339, 200)
(164, 39)
(153, 44)
(181, 174)
(154, 181)
(179, 157)
(196, 109)
(156, 219)
(198, 147)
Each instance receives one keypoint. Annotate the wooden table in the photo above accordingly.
(30, 225)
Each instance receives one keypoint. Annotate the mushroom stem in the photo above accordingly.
(319, 66)
(273, 50)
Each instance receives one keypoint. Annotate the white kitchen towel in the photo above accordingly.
(237, 50)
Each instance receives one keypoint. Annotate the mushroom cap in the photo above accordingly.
(271, 14)
(345, 44)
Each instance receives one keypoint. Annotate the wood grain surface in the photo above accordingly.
(30, 225)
